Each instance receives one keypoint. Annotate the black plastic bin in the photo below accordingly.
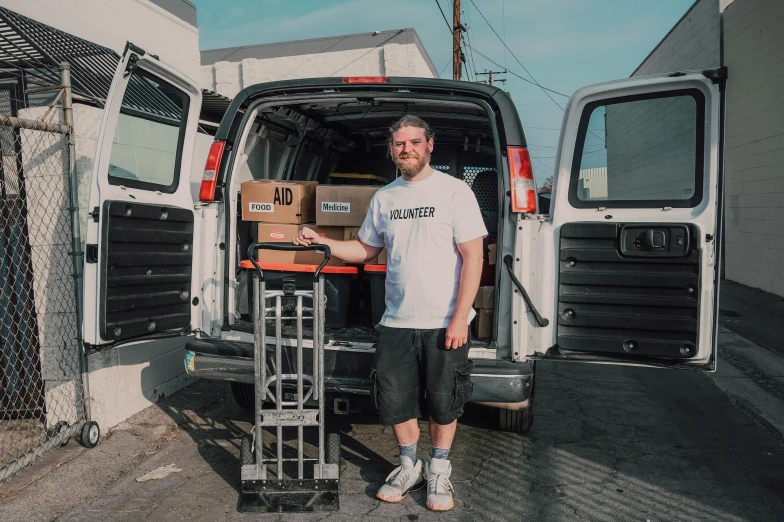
(377, 275)
(337, 286)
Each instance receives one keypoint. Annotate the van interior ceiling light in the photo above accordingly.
(209, 180)
(521, 180)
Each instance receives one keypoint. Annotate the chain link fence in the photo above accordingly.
(41, 389)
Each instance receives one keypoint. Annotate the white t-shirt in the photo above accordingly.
(420, 223)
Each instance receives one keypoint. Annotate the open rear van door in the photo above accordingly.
(139, 252)
(634, 238)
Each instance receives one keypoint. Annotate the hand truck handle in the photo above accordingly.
(288, 248)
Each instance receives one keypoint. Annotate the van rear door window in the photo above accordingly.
(640, 152)
(149, 135)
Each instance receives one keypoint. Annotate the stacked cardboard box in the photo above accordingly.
(492, 253)
(282, 208)
(286, 202)
(485, 303)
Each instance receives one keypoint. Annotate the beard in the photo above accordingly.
(411, 163)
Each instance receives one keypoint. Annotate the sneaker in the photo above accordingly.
(439, 488)
(404, 478)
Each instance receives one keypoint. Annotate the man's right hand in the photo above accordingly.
(306, 237)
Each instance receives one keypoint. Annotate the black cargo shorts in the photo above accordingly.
(414, 374)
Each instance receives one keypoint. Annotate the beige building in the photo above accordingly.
(746, 37)
(383, 53)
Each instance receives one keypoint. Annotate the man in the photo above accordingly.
(432, 228)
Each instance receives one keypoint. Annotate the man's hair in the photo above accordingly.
(409, 120)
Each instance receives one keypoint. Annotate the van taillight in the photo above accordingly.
(366, 79)
(521, 180)
(210, 179)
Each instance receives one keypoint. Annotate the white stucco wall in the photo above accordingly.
(113, 22)
(228, 78)
(694, 43)
(753, 45)
(754, 146)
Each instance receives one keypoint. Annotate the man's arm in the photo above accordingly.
(470, 274)
(354, 251)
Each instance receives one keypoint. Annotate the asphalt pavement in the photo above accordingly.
(608, 443)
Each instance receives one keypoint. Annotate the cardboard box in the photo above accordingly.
(284, 233)
(485, 297)
(352, 234)
(382, 257)
(485, 326)
(492, 251)
(271, 201)
(342, 205)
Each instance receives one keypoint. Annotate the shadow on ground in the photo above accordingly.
(607, 444)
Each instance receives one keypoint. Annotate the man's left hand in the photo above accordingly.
(456, 333)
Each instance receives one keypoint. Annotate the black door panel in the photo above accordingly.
(616, 296)
(146, 270)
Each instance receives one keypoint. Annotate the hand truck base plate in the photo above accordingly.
(288, 496)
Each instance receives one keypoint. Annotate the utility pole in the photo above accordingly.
(456, 52)
(489, 75)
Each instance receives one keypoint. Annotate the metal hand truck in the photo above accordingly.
(318, 492)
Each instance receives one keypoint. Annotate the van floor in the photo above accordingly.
(355, 334)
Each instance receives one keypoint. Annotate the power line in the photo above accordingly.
(470, 52)
(470, 48)
(542, 162)
(544, 89)
(477, 51)
(444, 16)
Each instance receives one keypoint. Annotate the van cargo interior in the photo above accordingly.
(311, 141)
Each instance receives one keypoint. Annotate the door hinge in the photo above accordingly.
(95, 214)
(716, 75)
(91, 254)
(130, 67)
(708, 238)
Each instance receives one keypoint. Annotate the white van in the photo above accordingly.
(621, 268)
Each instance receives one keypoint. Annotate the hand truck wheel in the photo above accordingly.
(333, 449)
(246, 452)
(90, 435)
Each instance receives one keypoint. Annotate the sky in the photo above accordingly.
(564, 44)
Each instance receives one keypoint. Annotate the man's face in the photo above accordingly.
(411, 150)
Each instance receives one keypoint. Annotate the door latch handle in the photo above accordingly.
(655, 239)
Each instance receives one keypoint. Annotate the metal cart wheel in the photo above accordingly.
(90, 434)
(246, 452)
(333, 449)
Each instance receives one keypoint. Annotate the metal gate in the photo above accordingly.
(42, 389)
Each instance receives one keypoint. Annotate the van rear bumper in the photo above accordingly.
(495, 381)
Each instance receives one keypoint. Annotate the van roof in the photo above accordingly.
(509, 122)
